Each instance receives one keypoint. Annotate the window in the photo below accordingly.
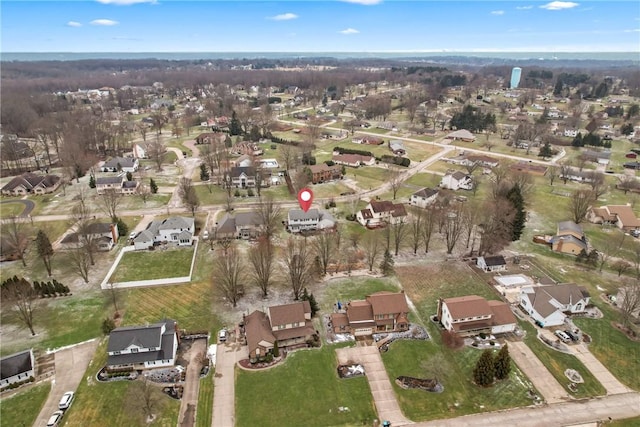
(134, 350)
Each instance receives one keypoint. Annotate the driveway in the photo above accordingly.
(381, 388)
(71, 364)
(545, 383)
(224, 407)
(28, 206)
(189, 401)
(609, 382)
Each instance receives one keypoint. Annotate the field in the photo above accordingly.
(22, 409)
(158, 264)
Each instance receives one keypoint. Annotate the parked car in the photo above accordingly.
(222, 335)
(564, 337)
(133, 235)
(54, 420)
(66, 401)
(205, 235)
(573, 336)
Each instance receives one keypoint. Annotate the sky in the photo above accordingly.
(319, 26)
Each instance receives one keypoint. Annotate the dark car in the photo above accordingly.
(572, 335)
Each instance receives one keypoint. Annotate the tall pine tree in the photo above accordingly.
(484, 370)
(517, 201)
(45, 250)
(503, 363)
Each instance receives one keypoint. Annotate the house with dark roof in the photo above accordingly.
(103, 236)
(210, 138)
(423, 198)
(323, 173)
(622, 216)
(241, 177)
(455, 180)
(312, 220)
(239, 225)
(378, 313)
(289, 325)
(17, 368)
(492, 263)
(472, 315)
(178, 230)
(353, 160)
(143, 347)
(569, 238)
(30, 183)
(600, 157)
(550, 305)
(120, 164)
(397, 147)
(380, 213)
(461, 135)
(119, 184)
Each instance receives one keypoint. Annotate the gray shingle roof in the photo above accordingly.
(299, 214)
(15, 364)
(106, 180)
(143, 336)
(124, 162)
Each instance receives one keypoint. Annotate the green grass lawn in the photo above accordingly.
(629, 422)
(308, 386)
(108, 404)
(556, 362)
(158, 264)
(10, 209)
(23, 408)
(204, 412)
(424, 359)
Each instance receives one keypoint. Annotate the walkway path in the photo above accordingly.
(606, 378)
(189, 401)
(381, 388)
(545, 383)
(615, 407)
(224, 407)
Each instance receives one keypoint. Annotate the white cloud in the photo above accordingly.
(524, 7)
(497, 12)
(637, 30)
(74, 24)
(559, 5)
(104, 22)
(364, 2)
(284, 17)
(125, 2)
(349, 31)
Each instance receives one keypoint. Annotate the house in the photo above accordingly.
(469, 159)
(353, 160)
(367, 139)
(140, 152)
(323, 173)
(30, 183)
(210, 138)
(577, 175)
(143, 347)
(569, 238)
(492, 263)
(312, 220)
(549, 305)
(455, 180)
(177, 229)
(248, 148)
(288, 325)
(380, 312)
(571, 133)
(118, 184)
(621, 216)
(120, 164)
(103, 236)
(17, 368)
(242, 225)
(243, 161)
(472, 315)
(397, 147)
(423, 198)
(461, 135)
(600, 157)
(380, 213)
(241, 177)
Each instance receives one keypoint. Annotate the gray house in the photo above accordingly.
(312, 220)
(177, 229)
(143, 347)
(16, 368)
(117, 164)
(242, 225)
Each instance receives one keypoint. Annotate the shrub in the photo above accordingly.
(341, 150)
(237, 193)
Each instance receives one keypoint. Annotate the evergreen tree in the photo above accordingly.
(254, 134)
(129, 176)
(577, 141)
(153, 186)
(386, 266)
(546, 151)
(517, 225)
(108, 325)
(45, 250)
(306, 296)
(276, 349)
(204, 173)
(92, 182)
(234, 127)
(484, 370)
(503, 363)
(123, 228)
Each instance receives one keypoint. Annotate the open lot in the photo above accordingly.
(161, 263)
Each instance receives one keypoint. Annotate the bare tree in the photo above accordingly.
(325, 247)
(19, 294)
(188, 195)
(453, 227)
(270, 216)
(156, 152)
(143, 400)
(81, 220)
(629, 301)
(552, 173)
(416, 228)
(144, 192)
(45, 250)
(399, 230)
(109, 200)
(395, 180)
(627, 183)
(524, 181)
(261, 257)
(289, 156)
(579, 204)
(621, 266)
(610, 248)
(81, 259)
(372, 247)
(298, 262)
(229, 274)
(494, 225)
(17, 238)
(598, 184)
(432, 214)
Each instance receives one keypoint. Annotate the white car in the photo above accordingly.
(222, 335)
(205, 235)
(66, 401)
(54, 420)
(133, 235)
(564, 337)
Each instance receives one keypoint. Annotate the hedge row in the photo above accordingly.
(341, 150)
(394, 160)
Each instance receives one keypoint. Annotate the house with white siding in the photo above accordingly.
(143, 347)
(550, 305)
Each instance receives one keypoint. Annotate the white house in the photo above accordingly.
(377, 214)
(492, 263)
(312, 220)
(103, 236)
(549, 305)
(117, 164)
(353, 160)
(178, 230)
(143, 347)
(118, 184)
(16, 368)
(572, 133)
(455, 180)
(423, 198)
(139, 152)
(472, 315)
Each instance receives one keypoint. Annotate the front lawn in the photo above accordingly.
(11, 208)
(204, 413)
(157, 264)
(23, 408)
(305, 390)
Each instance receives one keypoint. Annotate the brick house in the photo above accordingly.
(323, 173)
(380, 312)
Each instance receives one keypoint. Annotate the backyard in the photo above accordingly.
(161, 263)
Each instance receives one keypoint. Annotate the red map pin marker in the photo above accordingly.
(305, 197)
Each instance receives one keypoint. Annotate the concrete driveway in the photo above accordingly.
(189, 401)
(224, 406)
(609, 382)
(383, 395)
(545, 383)
(71, 364)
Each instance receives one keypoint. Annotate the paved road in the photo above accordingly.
(383, 395)
(619, 406)
(71, 364)
(606, 378)
(28, 206)
(189, 401)
(224, 410)
(544, 382)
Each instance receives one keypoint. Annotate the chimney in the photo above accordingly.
(177, 332)
(114, 233)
